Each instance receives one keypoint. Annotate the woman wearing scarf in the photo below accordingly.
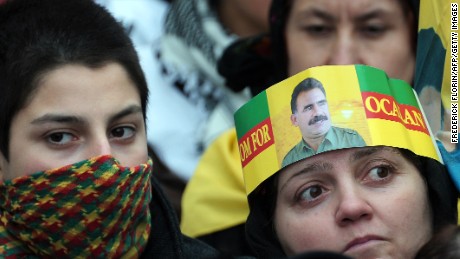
(76, 178)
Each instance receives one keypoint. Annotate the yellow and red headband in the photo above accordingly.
(384, 111)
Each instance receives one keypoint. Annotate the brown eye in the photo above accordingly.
(379, 173)
(60, 138)
(311, 193)
(122, 132)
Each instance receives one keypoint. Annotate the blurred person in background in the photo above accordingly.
(197, 105)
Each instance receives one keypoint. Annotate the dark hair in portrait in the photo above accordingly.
(305, 85)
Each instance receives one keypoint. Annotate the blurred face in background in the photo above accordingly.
(378, 33)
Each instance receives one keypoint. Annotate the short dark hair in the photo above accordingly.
(306, 85)
(37, 36)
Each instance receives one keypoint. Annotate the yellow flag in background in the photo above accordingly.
(437, 75)
(433, 67)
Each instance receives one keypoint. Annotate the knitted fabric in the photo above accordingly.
(91, 209)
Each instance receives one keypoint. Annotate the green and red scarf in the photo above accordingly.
(93, 208)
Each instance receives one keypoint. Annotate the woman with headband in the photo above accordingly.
(381, 200)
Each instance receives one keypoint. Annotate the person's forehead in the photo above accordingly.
(314, 93)
(349, 155)
(348, 8)
(63, 85)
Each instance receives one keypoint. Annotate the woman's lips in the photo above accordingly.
(358, 242)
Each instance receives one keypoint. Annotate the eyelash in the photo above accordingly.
(124, 127)
(62, 134)
(389, 168)
(373, 31)
(318, 30)
(299, 196)
(369, 31)
(386, 166)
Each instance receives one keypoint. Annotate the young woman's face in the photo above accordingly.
(364, 202)
(341, 32)
(77, 113)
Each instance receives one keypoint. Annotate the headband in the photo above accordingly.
(366, 108)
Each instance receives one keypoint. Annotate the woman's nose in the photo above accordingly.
(352, 207)
(99, 146)
(344, 50)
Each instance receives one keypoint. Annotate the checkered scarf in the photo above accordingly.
(91, 209)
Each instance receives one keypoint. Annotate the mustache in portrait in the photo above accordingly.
(317, 118)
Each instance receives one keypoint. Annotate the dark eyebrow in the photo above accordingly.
(132, 109)
(322, 101)
(318, 167)
(368, 151)
(59, 118)
(62, 118)
(318, 13)
(371, 15)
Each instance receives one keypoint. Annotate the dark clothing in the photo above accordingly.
(166, 240)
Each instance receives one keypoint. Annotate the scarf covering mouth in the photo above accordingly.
(95, 208)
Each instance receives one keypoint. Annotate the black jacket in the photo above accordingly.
(166, 239)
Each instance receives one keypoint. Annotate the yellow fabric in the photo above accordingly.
(458, 209)
(214, 198)
(436, 14)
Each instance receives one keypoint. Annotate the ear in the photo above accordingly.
(294, 120)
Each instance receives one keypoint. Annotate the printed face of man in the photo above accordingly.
(312, 114)
(364, 202)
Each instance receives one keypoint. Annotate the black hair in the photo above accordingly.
(305, 85)
(445, 244)
(37, 36)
